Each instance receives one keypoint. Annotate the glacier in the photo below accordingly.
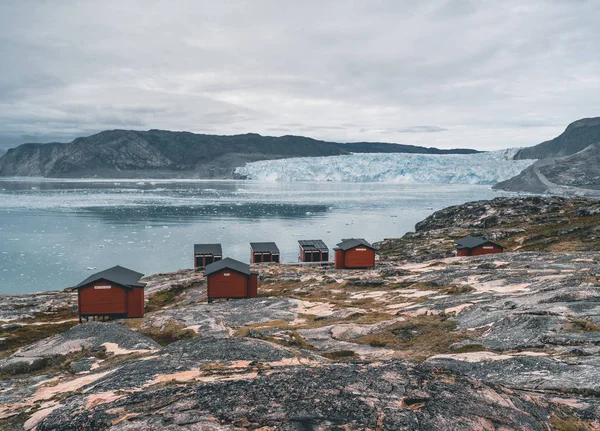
(481, 168)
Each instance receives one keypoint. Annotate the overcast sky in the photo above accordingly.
(478, 74)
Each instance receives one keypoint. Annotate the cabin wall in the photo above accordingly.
(227, 284)
(340, 262)
(359, 257)
(486, 249)
(253, 286)
(135, 302)
(102, 298)
(462, 252)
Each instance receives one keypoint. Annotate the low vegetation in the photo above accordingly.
(168, 334)
(14, 338)
(417, 338)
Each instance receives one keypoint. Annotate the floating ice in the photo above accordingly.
(481, 168)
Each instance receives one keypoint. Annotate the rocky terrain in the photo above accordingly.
(568, 164)
(164, 154)
(578, 174)
(422, 342)
(576, 137)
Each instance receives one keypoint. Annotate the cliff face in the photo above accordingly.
(578, 174)
(164, 154)
(577, 136)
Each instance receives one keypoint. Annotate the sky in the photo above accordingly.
(475, 74)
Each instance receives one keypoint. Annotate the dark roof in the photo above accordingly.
(313, 244)
(470, 241)
(214, 249)
(118, 275)
(269, 247)
(349, 243)
(227, 263)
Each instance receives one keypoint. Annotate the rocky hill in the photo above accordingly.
(568, 164)
(501, 342)
(543, 224)
(576, 137)
(164, 154)
(578, 174)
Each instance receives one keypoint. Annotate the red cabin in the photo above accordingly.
(113, 293)
(313, 250)
(264, 252)
(476, 246)
(205, 254)
(230, 278)
(354, 253)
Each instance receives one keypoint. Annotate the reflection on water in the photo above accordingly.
(54, 233)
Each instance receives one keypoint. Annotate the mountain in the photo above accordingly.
(576, 137)
(577, 174)
(165, 154)
(568, 164)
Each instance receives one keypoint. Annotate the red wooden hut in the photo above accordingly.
(313, 250)
(476, 246)
(264, 252)
(230, 278)
(115, 292)
(205, 254)
(354, 253)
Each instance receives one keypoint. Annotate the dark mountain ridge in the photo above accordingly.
(166, 154)
(577, 136)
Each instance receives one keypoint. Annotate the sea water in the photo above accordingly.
(55, 233)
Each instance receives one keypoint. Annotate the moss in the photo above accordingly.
(340, 355)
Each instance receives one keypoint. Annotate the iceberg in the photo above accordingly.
(480, 168)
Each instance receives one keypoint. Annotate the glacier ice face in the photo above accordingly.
(481, 168)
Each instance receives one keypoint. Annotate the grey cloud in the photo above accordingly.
(486, 74)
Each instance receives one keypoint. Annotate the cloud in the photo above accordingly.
(421, 129)
(484, 74)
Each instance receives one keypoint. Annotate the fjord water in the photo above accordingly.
(55, 233)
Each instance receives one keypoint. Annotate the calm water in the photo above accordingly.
(54, 233)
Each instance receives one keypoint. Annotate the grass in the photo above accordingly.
(470, 348)
(568, 423)
(582, 325)
(169, 333)
(28, 334)
(164, 297)
(419, 338)
(340, 355)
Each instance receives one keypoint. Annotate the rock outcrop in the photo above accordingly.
(576, 137)
(567, 165)
(164, 154)
(500, 342)
(578, 174)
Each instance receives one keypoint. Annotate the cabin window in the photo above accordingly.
(209, 259)
(360, 249)
(488, 247)
(102, 287)
(325, 257)
(227, 274)
(258, 258)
